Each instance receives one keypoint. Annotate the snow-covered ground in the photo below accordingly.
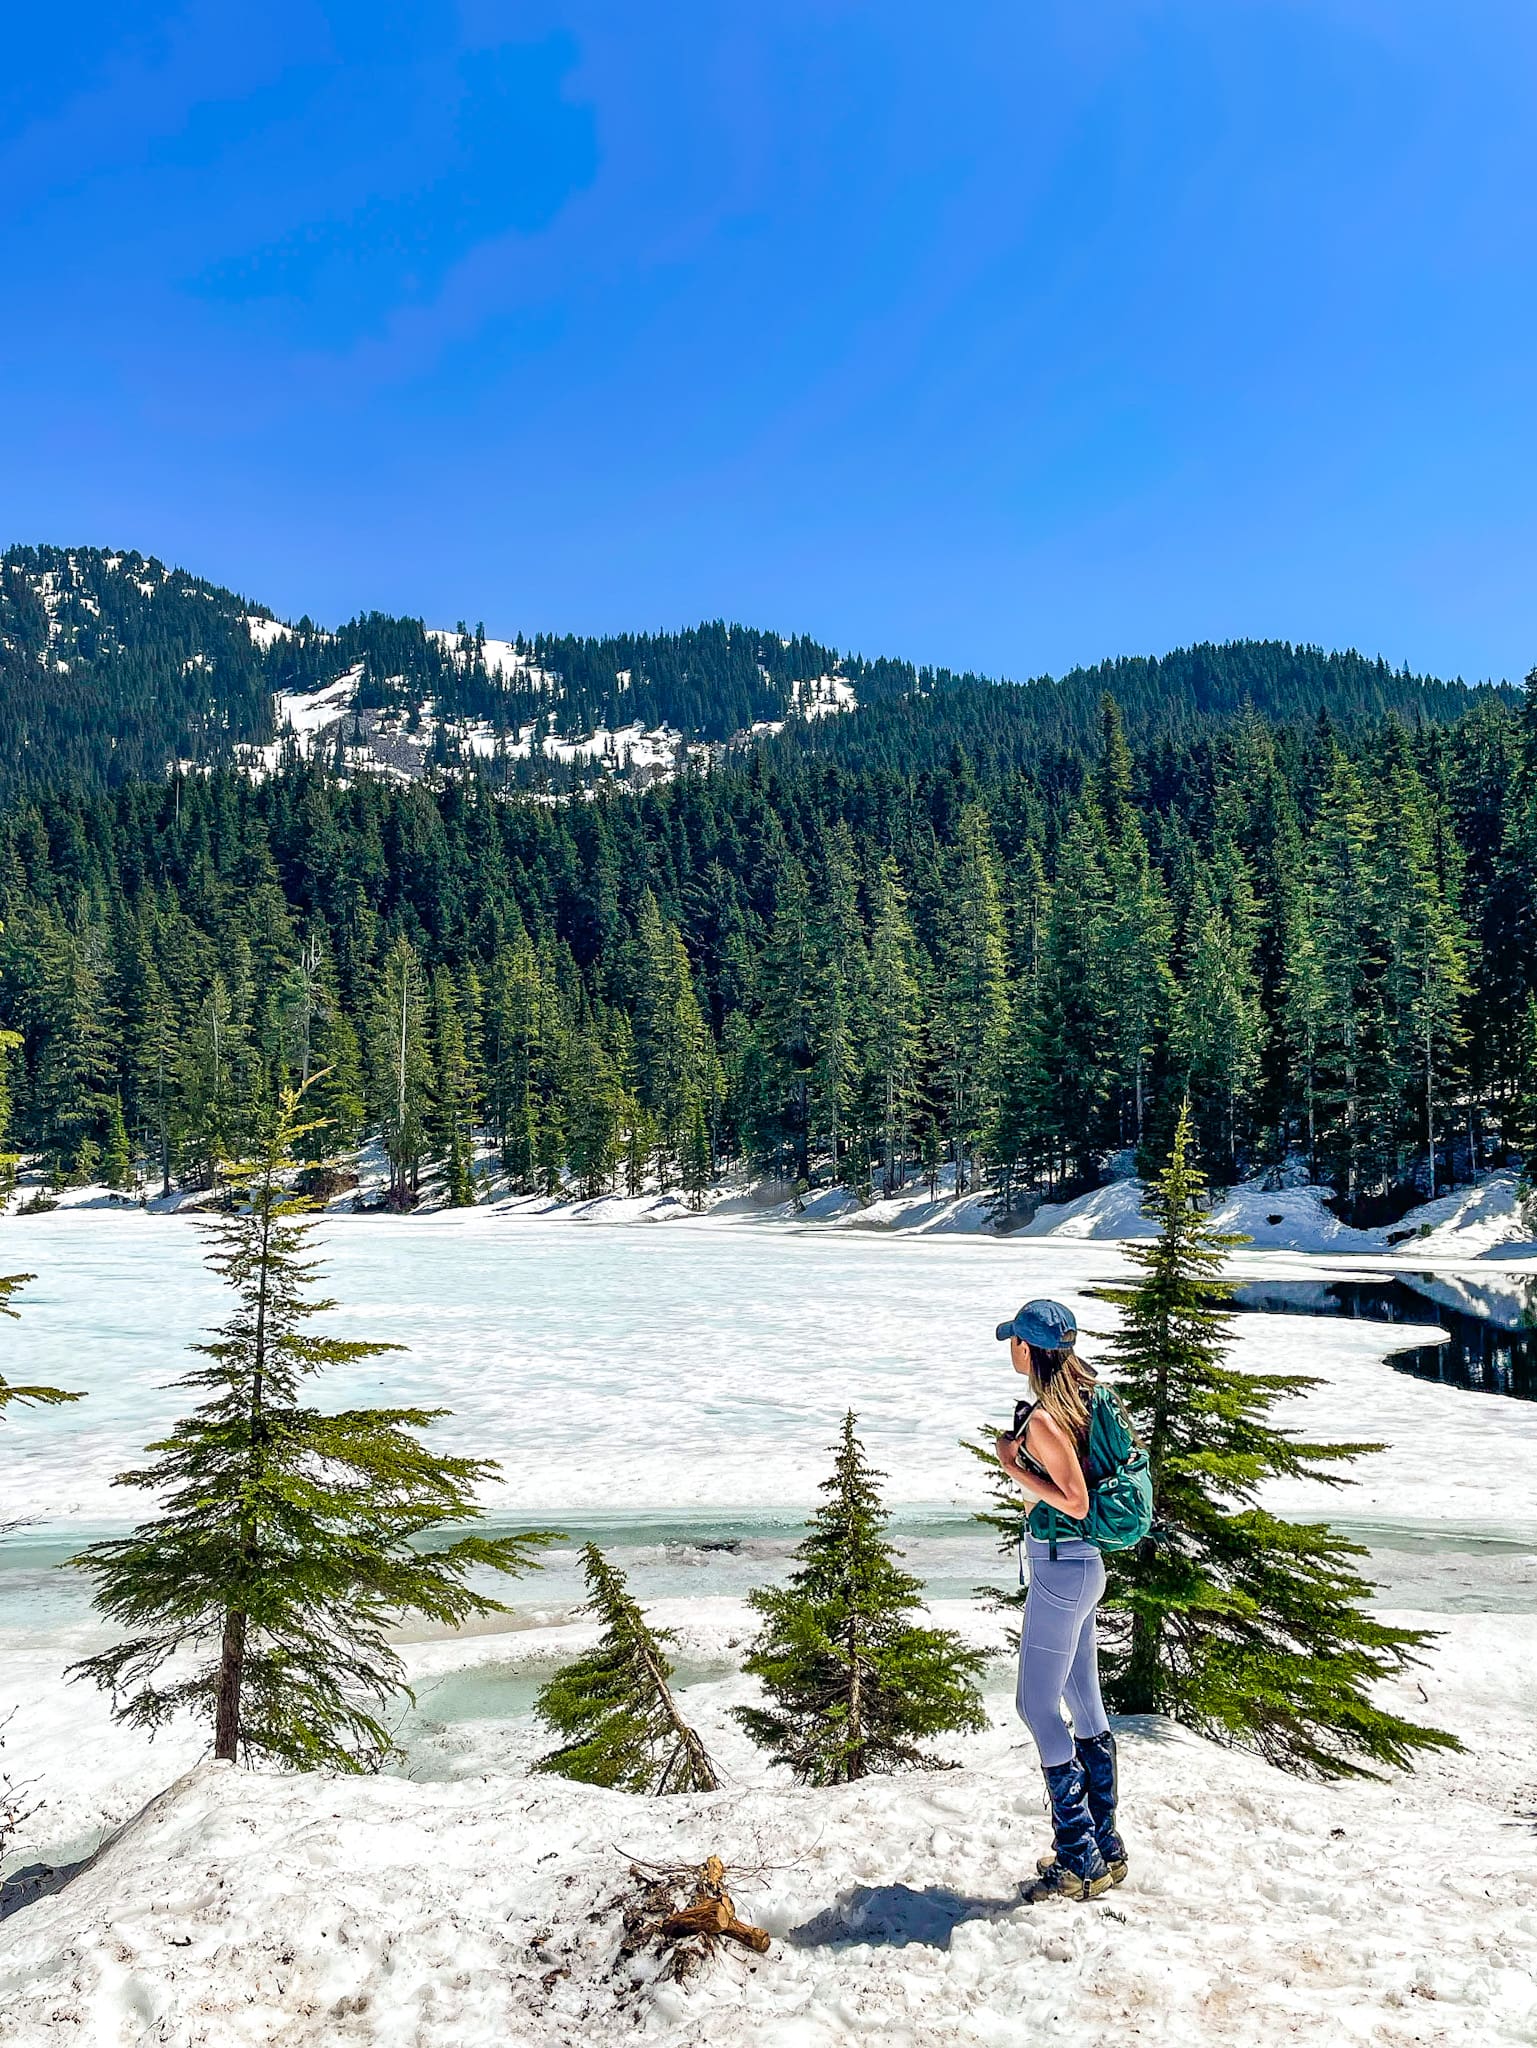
(673, 1392)
(245, 1908)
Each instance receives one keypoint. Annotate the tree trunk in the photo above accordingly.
(226, 1741)
(1139, 1099)
(1430, 1113)
(856, 1754)
(226, 1738)
(1139, 1688)
(691, 1751)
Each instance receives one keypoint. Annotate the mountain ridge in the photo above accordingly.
(115, 667)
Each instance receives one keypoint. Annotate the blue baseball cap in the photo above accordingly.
(1046, 1323)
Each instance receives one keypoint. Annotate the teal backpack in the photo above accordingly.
(1120, 1485)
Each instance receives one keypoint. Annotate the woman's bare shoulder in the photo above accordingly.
(1047, 1430)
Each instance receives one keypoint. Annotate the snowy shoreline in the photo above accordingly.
(245, 1908)
(449, 1906)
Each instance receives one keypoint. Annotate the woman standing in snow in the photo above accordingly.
(1058, 1654)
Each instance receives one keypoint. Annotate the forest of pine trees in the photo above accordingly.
(1324, 935)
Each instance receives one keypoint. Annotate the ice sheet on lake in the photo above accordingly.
(620, 1370)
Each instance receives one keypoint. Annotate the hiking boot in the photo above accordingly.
(1077, 1871)
(1097, 1755)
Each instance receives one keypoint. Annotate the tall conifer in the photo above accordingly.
(1248, 1627)
(400, 1069)
(286, 1546)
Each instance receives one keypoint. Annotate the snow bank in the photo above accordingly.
(243, 1908)
(1286, 1219)
(1480, 1222)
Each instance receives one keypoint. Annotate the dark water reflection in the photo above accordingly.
(1491, 1341)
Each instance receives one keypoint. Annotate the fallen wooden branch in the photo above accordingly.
(705, 1916)
(755, 1938)
(695, 1930)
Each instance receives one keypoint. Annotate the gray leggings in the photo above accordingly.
(1058, 1655)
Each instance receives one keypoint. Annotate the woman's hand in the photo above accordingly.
(1008, 1457)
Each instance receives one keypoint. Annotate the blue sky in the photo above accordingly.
(998, 335)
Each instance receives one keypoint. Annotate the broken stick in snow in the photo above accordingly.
(710, 1916)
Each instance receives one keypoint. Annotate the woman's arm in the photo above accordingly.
(1063, 1487)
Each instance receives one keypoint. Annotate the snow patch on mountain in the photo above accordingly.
(823, 696)
(266, 633)
(503, 658)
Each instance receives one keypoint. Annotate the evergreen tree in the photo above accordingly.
(698, 1157)
(895, 1018)
(450, 1130)
(1524, 1118)
(116, 1156)
(400, 1063)
(1304, 1001)
(596, 1113)
(1423, 955)
(973, 1014)
(1250, 1628)
(672, 1050)
(302, 1000)
(1138, 980)
(212, 1106)
(284, 1549)
(1076, 1067)
(1218, 1030)
(71, 1087)
(336, 1085)
(1348, 1071)
(785, 1033)
(153, 1058)
(614, 1708)
(854, 1684)
(10, 1043)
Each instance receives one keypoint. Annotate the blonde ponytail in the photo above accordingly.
(1063, 1386)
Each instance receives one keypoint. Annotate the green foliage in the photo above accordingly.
(289, 1539)
(113, 667)
(1038, 945)
(400, 1069)
(854, 1684)
(1248, 1627)
(614, 1709)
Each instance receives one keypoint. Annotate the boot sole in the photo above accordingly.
(1117, 1871)
(1037, 1893)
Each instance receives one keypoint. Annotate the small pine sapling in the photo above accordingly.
(289, 1540)
(1252, 1629)
(614, 1707)
(854, 1683)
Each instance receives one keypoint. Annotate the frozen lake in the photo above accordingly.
(670, 1392)
(673, 1390)
(617, 1370)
